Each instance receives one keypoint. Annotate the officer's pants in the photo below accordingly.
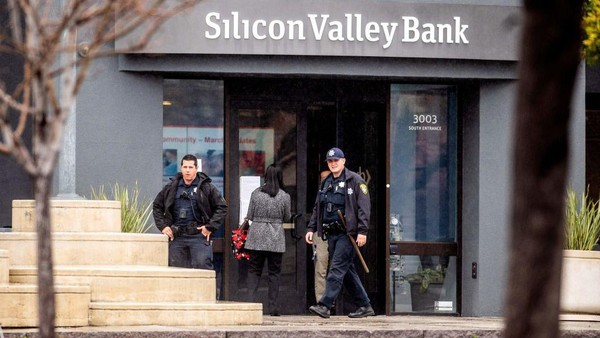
(343, 271)
(191, 252)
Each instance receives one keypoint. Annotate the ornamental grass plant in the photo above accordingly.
(135, 212)
(582, 222)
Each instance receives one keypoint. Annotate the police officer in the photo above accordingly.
(346, 191)
(188, 210)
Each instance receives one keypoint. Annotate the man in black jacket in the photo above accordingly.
(189, 210)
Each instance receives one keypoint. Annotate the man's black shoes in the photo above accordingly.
(361, 312)
(320, 310)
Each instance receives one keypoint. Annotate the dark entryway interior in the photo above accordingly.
(350, 114)
(354, 120)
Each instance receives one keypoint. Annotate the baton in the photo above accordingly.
(362, 260)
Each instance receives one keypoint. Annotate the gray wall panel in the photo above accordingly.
(319, 66)
(495, 169)
(470, 197)
(119, 130)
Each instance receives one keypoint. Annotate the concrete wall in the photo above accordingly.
(119, 130)
(487, 168)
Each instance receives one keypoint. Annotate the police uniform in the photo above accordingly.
(184, 208)
(348, 193)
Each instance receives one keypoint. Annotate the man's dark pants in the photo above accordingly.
(343, 271)
(191, 251)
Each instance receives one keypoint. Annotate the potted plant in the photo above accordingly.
(581, 265)
(426, 287)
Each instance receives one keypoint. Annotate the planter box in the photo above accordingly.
(425, 302)
(579, 287)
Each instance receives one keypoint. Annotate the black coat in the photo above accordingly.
(209, 200)
(357, 207)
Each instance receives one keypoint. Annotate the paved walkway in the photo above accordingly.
(336, 326)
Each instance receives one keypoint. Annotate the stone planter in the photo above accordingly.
(580, 293)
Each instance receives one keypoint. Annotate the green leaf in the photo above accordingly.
(135, 213)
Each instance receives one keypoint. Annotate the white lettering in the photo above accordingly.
(318, 31)
(359, 36)
(212, 25)
(389, 33)
(255, 29)
(350, 28)
(460, 35)
(448, 29)
(300, 28)
(281, 29)
(370, 29)
(246, 25)
(337, 32)
(428, 35)
(410, 26)
(236, 29)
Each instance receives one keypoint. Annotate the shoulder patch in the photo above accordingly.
(363, 188)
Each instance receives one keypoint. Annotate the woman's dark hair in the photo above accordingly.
(273, 181)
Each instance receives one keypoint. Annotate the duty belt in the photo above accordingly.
(332, 228)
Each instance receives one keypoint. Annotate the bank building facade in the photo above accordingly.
(419, 96)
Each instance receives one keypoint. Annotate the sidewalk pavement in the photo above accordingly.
(334, 327)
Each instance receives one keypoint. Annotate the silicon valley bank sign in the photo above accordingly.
(320, 27)
(341, 28)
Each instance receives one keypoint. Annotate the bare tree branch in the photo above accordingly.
(43, 36)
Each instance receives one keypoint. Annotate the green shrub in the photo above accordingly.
(591, 31)
(424, 277)
(135, 213)
(582, 222)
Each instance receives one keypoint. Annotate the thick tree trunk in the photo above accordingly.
(549, 61)
(46, 301)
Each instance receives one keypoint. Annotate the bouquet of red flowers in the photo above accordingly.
(238, 239)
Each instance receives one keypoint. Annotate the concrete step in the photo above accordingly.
(19, 305)
(180, 313)
(138, 283)
(90, 248)
(70, 216)
(4, 265)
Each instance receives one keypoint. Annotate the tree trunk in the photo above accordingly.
(46, 301)
(550, 56)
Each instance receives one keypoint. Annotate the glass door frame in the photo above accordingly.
(232, 188)
(424, 248)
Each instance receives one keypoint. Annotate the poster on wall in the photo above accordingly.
(207, 143)
(247, 185)
(256, 150)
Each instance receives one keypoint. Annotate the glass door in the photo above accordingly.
(268, 135)
(422, 200)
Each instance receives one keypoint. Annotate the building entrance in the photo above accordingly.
(401, 138)
(298, 120)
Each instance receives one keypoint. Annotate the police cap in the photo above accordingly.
(334, 154)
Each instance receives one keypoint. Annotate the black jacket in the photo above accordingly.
(209, 200)
(358, 207)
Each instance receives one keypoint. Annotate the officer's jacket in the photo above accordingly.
(208, 198)
(358, 206)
